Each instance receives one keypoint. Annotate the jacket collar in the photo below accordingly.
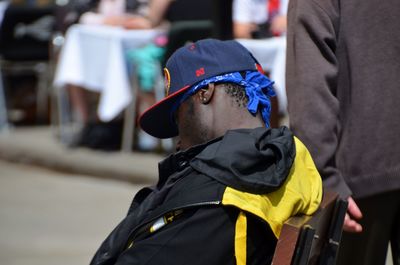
(252, 160)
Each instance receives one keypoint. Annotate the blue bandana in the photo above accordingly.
(258, 90)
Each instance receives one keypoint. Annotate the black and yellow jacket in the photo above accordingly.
(223, 202)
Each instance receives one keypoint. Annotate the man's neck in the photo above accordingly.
(240, 120)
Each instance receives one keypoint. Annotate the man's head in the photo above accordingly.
(211, 111)
(212, 86)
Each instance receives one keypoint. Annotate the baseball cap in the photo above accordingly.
(188, 66)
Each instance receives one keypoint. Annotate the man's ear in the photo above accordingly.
(206, 94)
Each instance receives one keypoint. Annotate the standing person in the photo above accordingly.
(223, 198)
(342, 81)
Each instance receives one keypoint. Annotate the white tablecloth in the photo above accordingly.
(271, 54)
(94, 57)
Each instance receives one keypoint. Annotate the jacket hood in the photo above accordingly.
(251, 160)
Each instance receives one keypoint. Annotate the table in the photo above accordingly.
(93, 57)
(271, 54)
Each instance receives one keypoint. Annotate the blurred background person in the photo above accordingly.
(343, 93)
(146, 61)
(130, 14)
(259, 18)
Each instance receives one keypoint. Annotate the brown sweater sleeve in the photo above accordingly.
(311, 81)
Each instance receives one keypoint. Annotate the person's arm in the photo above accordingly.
(242, 30)
(279, 24)
(311, 80)
(157, 11)
(204, 235)
(243, 20)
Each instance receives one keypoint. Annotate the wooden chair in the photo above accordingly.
(312, 239)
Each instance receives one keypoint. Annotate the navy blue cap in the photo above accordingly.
(185, 68)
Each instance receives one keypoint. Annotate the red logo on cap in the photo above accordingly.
(200, 72)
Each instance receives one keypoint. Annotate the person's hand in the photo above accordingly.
(113, 20)
(128, 22)
(352, 216)
(137, 22)
(279, 24)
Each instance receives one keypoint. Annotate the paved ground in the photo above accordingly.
(39, 146)
(49, 218)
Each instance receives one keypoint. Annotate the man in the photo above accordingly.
(224, 198)
(343, 97)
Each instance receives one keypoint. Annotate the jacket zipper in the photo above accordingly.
(156, 223)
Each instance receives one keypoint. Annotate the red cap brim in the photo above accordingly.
(158, 120)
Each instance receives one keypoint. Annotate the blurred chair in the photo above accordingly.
(68, 13)
(24, 47)
(312, 239)
(193, 20)
(222, 19)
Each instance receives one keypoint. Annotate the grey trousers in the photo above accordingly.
(381, 225)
